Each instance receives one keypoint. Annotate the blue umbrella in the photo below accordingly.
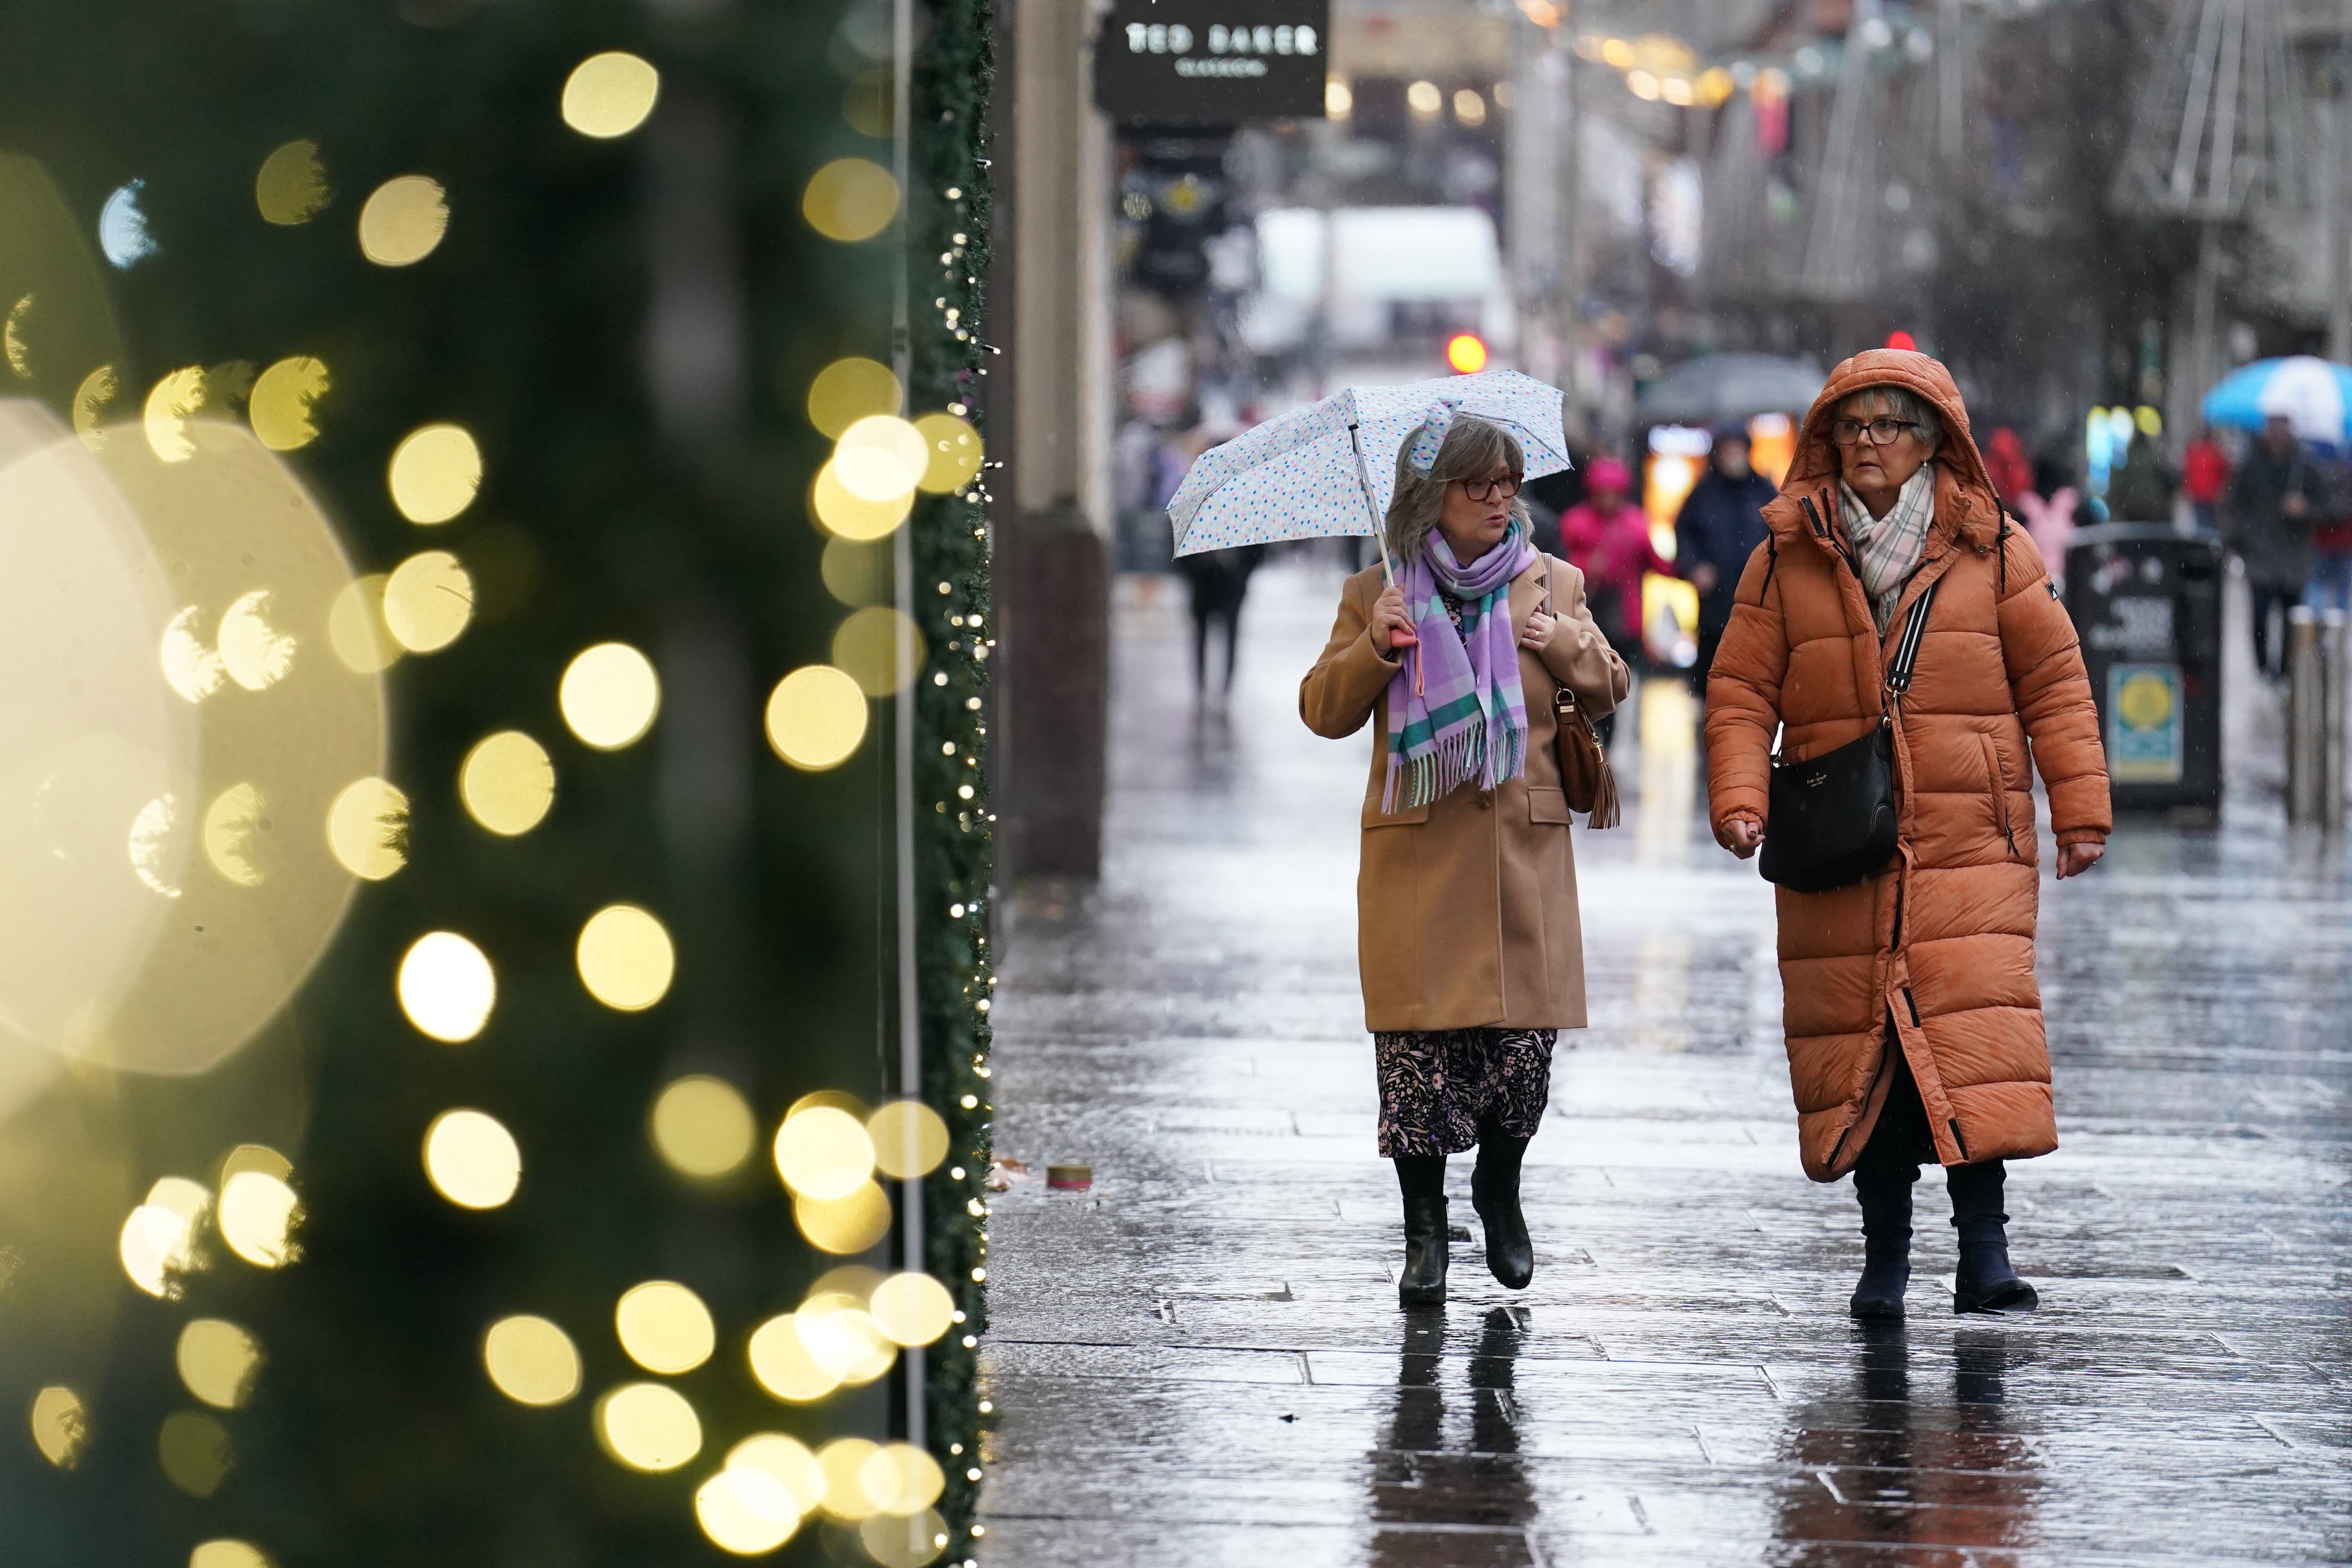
(2312, 394)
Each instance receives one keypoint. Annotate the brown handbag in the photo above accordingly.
(1584, 775)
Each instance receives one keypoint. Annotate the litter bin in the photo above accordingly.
(2146, 602)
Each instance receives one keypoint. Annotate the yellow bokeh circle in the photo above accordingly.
(610, 94)
(816, 716)
(218, 1362)
(404, 221)
(703, 1127)
(292, 187)
(912, 1308)
(665, 1327)
(472, 1160)
(226, 1553)
(435, 472)
(447, 987)
(610, 695)
(60, 1426)
(367, 828)
(282, 399)
(879, 648)
(648, 1427)
(783, 1364)
(909, 1139)
(843, 1460)
(508, 782)
(356, 628)
(745, 1510)
(849, 390)
(850, 199)
(428, 600)
(846, 1226)
(257, 1214)
(531, 1360)
(952, 453)
(824, 1152)
(626, 958)
(880, 458)
(847, 516)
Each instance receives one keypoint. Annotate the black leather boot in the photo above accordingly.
(1421, 1179)
(1984, 1282)
(1494, 1194)
(1884, 1193)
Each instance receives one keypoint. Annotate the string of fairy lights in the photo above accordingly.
(829, 1151)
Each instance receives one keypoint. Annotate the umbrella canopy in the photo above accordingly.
(1327, 469)
(2312, 393)
(1716, 387)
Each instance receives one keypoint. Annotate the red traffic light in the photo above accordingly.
(1466, 352)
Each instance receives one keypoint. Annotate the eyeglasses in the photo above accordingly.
(1487, 489)
(1883, 432)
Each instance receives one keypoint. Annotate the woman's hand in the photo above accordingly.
(1541, 623)
(1391, 627)
(1743, 836)
(2073, 859)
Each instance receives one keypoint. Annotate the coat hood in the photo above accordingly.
(1966, 507)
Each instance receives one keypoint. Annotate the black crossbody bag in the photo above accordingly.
(1834, 815)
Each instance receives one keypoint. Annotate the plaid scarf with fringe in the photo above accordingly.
(1455, 709)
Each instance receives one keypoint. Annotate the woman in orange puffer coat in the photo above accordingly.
(1914, 1023)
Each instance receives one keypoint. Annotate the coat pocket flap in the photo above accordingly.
(1548, 805)
(1407, 817)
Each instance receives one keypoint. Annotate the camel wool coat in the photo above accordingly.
(1465, 909)
(1940, 944)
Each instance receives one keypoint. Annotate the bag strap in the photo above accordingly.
(1561, 696)
(1915, 631)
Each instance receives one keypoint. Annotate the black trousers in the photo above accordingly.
(1901, 1143)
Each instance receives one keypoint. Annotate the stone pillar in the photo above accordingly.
(1051, 417)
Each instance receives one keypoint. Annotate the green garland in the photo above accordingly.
(949, 215)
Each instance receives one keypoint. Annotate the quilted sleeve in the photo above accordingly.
(2053, 694)
(1743, 698)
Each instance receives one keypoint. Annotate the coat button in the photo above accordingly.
(1486, 800)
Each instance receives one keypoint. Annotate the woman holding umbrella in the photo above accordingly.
(1467, 935)
(1914, 1022)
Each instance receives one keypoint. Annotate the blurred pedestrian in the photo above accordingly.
(2204, 476)
(2141, 489)
(1914, 1028)
(2267, 519)
(1467, 937)
(2005, 461)
(1216, 582)
(2330, 587)
(1607, 537)
(1719, 527)
(2049, 510)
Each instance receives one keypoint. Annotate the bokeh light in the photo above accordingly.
(783, 1364)
(745, 1510)
(953, 454)
(816, 716)
(195, 1453)
(123, 226)
(648, 1426)
(435, 472)
(508, 782)
(428, 600)
(867, 645)
(530, 1360)
(846, 1226)
(703, 1127)
(850, 199)
(1465, 353)
(880, 458)
(909, 1139)
(218, 1362)
(626, 958)
(404, 221)
(472, 1160)
(177, 397)
(447, 987)
(610, 695)
(158, 1242)
(292, 187)
(904, 1541)
(912, 1308)
(824, 1152)
(259, 1213)
(60, 1426)
(665, 1327)
(788, 1461)
(367, 828)
(857, 572)
(842, 1337)
(356, 628)
(227, 1553)
(236, 830)
(90, 401)
(901, 1478)
(254, 653)
(852, 517)
(610, 94)
(282, 400)
(849, 390)
(843, 1460)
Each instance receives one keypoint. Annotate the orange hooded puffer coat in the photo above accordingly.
(1941, 942)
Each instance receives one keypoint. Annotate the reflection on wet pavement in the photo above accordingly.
(1201, 1360)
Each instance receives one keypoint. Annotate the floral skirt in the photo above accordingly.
(1438, 1086)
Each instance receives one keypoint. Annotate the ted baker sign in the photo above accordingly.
(1210, 61)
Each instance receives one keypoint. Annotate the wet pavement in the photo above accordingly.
(1200, 1361)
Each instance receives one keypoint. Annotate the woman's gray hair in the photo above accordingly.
(1471, 450)
(1902, 403)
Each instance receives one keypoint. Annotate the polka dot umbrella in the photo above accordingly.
(1326, 470)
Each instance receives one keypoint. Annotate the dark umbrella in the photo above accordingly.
(1716, 387)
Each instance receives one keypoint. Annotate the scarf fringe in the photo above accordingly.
(1454, 762)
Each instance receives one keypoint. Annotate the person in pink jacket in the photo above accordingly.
(1607, 538)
